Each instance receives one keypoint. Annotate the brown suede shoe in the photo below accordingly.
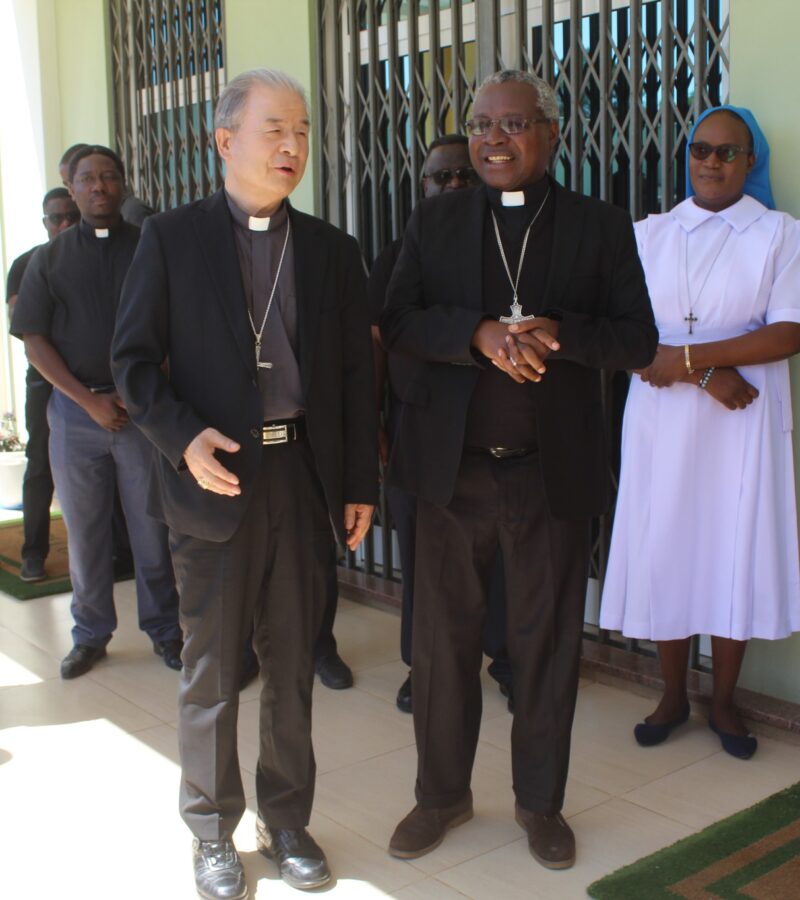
(423, 829)
(550, 839)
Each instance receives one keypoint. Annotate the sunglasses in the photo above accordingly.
(726, 153)
(445, 176)
(58, 218)
(508, 125)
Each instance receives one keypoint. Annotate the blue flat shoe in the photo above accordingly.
(648, 735)
(742, 746)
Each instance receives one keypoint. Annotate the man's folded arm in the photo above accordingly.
(436, 332)
(627, 337)
(139, 349)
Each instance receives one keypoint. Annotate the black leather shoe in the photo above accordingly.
(742, 746)
(32, 570)
(301, 862)
(170, 652)
(648, 735)
(218, 871)
(334, 672)
(404, 696)
(80, 659)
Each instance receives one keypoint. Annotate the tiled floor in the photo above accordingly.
(88, 777)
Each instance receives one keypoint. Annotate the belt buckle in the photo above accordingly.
(499, 452)
(275, 434)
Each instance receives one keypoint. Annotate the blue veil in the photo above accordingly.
(757, 184)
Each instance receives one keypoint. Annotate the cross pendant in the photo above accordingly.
(516, 314)
(691, 319)
(259, 364)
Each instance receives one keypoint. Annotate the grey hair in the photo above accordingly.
(234, 95)
(545, 95)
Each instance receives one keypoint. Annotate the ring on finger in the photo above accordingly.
(203, 483)
(514, 363)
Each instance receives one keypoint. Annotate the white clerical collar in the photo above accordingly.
(254, 223)
(512, 198)
(101, 232)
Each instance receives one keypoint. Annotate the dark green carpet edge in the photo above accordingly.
(652, 876)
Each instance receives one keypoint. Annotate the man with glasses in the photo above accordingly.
(512, 297)
(447, 167)
(65, 314)
(37, 486)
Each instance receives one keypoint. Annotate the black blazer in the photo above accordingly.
(597, 287)
(183, 301)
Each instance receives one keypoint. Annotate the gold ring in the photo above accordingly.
(203, 483)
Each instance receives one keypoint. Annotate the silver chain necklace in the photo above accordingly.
(691, 318)
(257, 334)
(516, 307)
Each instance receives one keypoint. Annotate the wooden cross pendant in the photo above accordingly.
(691, 319)
(259, 364)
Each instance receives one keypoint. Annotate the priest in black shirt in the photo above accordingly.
(65, 314)
(60, 213)
(502, 442)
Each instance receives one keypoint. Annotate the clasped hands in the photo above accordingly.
(518, 350)
(726, 385)
(212, 476)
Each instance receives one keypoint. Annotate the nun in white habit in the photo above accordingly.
(705, 530)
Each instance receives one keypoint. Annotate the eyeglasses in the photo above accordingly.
(726, 153)
(107, 177)
(445, 176)
(508, 125)
(58, 218)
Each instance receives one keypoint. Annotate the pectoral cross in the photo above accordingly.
(259, 364)
(691, 319)
(516, 314)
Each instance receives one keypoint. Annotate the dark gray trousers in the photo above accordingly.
(497, 505)
(87, 463)
(271, 574)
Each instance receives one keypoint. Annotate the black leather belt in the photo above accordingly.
(281, 432)
(504, 452)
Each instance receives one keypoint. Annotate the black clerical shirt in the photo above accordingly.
(70, 293)
(259, 255)
(502, 413)
(15, 274)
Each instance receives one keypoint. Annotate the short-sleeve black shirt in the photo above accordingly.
(17, 270)
(70, 293)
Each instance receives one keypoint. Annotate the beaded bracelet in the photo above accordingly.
(706, 377)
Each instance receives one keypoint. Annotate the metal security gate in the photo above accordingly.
(167, 61)
(631, 75)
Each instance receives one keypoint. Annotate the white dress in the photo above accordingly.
(705, 530)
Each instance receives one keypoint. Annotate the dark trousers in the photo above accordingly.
(326, 642)
(497, 504)
(403, 509)
(272, 575)
(88, 464)
(37, 485)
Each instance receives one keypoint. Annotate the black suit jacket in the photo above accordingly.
(183, 301)
(597, 287)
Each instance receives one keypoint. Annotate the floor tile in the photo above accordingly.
(700, 794)
(57, 702)
(22, 662)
